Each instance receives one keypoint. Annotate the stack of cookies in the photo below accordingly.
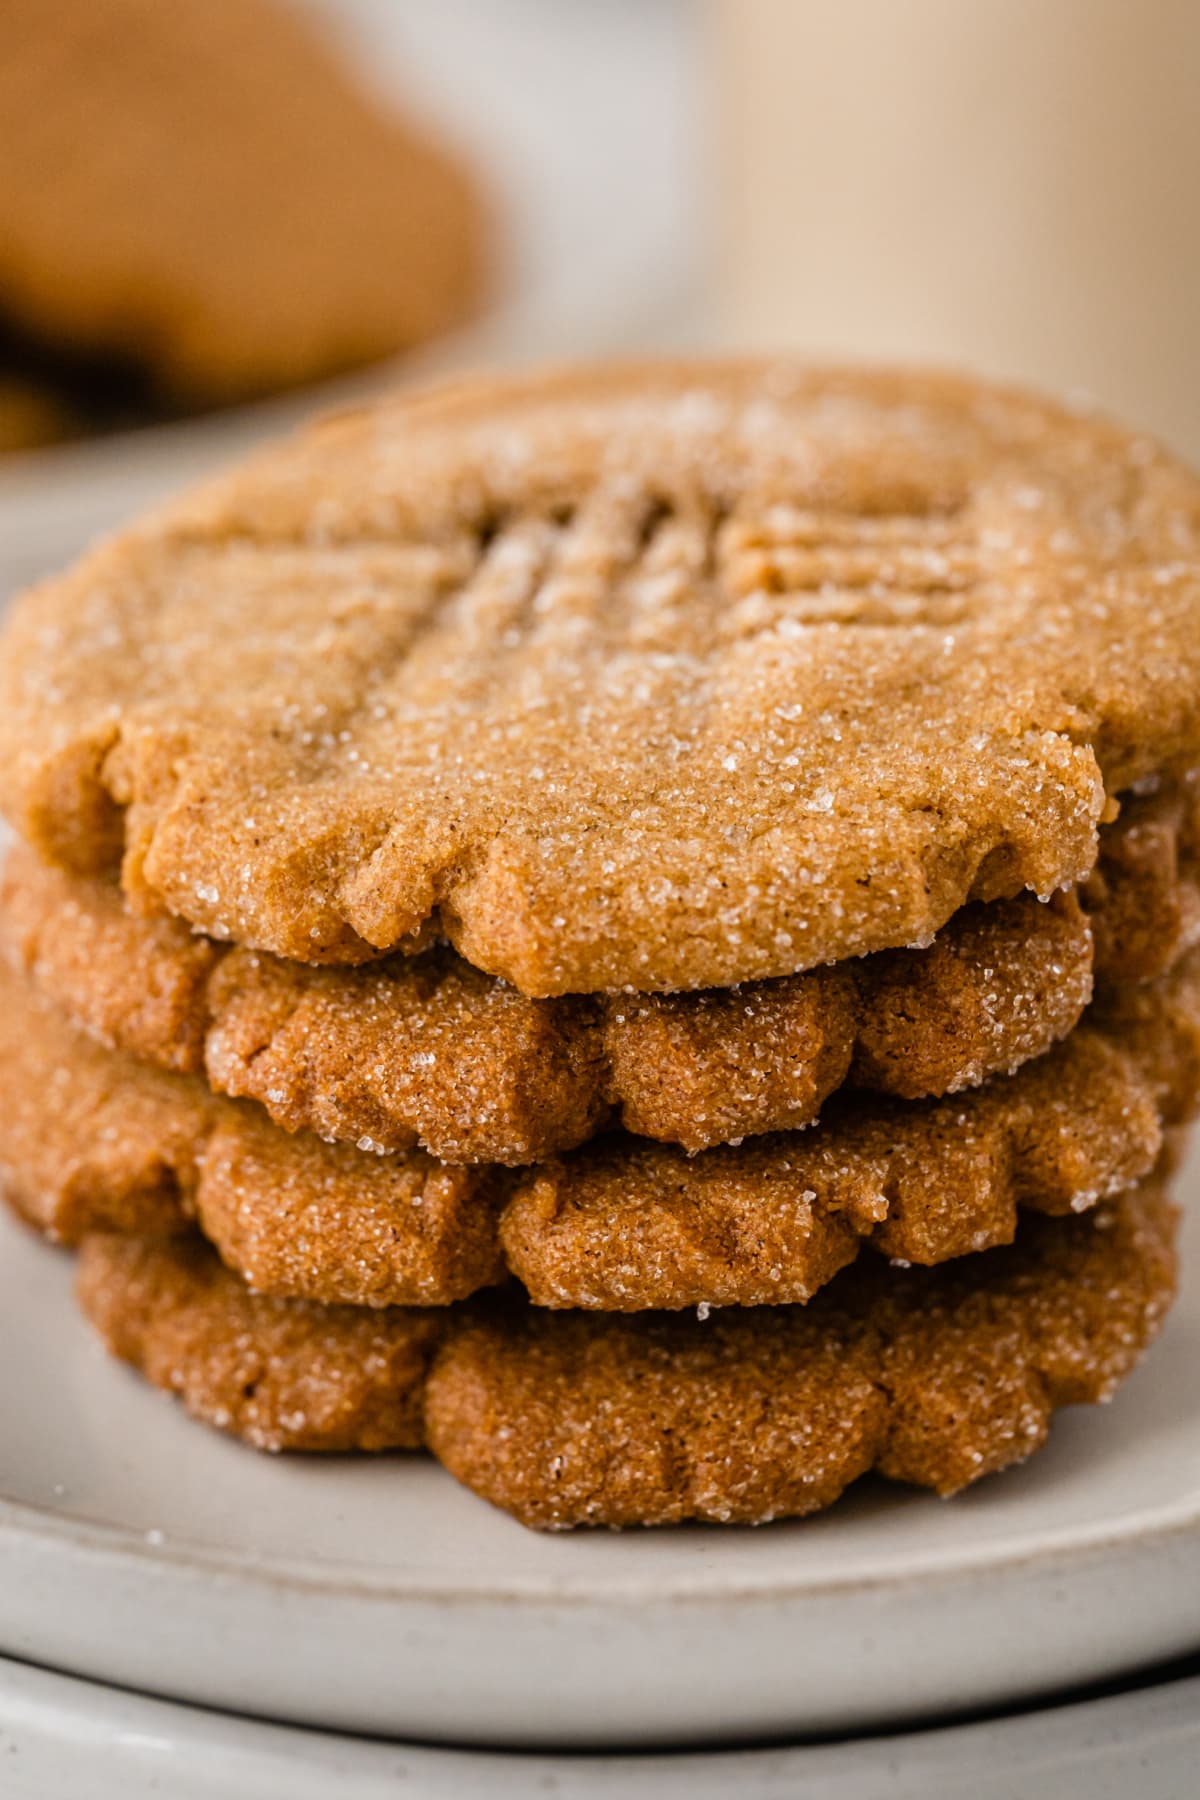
(633, 928)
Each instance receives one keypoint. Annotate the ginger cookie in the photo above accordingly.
(617, 1226)
(283, 1374)
(935, 1377)
(199, 203)
(426, 1050)
(662, 677)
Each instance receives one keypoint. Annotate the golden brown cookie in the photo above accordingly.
(619, 1225)
(936, 1377)
(283, 1374)
(203, 197)
(661, 677)
(427, 1050)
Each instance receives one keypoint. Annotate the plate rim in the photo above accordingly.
(698, 1582)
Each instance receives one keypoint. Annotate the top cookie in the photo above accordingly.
(201, 197)
(657, 677)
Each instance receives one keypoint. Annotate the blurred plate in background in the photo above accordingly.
(63, 1738)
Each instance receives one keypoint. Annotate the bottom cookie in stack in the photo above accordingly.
(929, 1376)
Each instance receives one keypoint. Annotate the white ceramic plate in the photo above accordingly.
(138, 1548)
(61, 1739)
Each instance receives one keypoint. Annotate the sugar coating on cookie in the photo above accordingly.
(426, 1050)
(619, 1225)
(931, 1377)
(626, 1227)
(91, 1140)
(144, 221)
(283, 1374)
(656, 678)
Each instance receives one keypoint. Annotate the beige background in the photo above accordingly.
(1013, 184)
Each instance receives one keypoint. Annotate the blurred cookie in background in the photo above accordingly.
(30, 417)
(199, 205)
